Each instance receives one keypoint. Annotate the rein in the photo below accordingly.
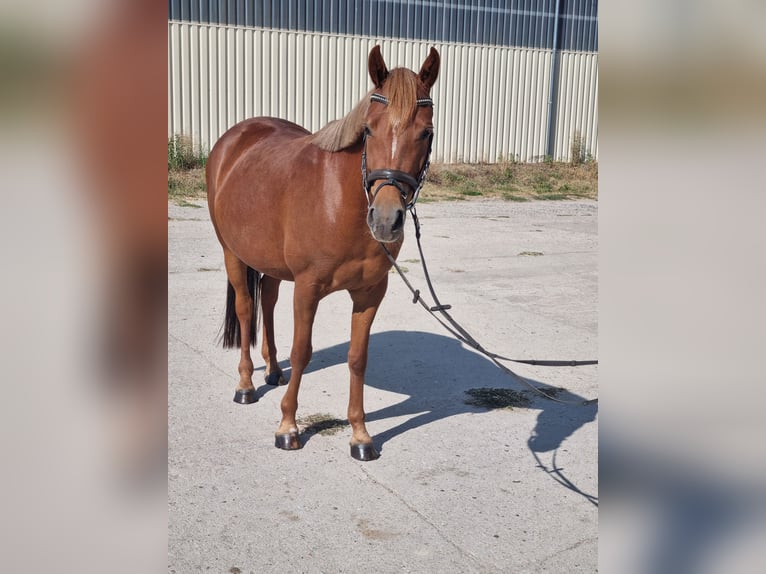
(449, 323)
(394, 177)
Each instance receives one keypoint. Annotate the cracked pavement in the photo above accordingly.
(458, 488)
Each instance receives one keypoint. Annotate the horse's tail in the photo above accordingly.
(232, 337)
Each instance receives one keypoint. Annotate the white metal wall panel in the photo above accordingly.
(491, 102)
(577, 104)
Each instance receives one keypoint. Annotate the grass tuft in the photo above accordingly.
(186, 170)
(512, 181)
(492, 398)
(321, 423)
(495, 398)
(184, 155)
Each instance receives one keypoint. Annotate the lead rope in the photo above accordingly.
(449, 323)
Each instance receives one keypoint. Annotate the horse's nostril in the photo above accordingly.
(399, 220)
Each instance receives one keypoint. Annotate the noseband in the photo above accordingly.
(394, 177)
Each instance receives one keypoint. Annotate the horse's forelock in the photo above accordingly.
(402, 88)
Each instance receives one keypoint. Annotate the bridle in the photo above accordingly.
(394, 177)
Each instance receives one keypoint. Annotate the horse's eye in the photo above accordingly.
(426, 134)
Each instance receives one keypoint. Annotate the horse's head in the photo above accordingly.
(397, 141)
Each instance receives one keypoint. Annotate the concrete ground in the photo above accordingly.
(458, 488)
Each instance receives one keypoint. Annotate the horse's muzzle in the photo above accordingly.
(386, 225)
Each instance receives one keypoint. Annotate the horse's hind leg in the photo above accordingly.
(269, 296)
(244, 305)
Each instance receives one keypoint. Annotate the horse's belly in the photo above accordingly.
(254, 234)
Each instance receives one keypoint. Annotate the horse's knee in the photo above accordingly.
(357, 363)
(300, 357)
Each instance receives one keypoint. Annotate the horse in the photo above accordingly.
(290, 205)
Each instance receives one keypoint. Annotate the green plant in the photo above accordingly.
(452, 178)
(541, 184)
(186, 183)
(577, 149)
(184, 155)
(503, 176)
(510, 158)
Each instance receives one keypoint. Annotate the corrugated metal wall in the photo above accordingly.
(491, 101)
(528, 23)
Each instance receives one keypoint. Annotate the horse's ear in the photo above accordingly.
(377, 67)
(430, 69)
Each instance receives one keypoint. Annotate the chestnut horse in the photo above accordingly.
(290, 205)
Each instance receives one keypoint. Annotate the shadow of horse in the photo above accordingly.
(434, 371)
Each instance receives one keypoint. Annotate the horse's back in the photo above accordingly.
(247, 140)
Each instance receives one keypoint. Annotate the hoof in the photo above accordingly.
(245, 397)
(289, 441)
(364, 452)
(275, 379)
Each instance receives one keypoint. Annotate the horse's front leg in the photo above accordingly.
(366, 303)
(305, 302)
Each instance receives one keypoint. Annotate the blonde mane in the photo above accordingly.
(401, 86)
(345, 132)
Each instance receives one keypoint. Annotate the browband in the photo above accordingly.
(380, 98)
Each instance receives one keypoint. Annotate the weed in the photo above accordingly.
(542, 185)
(492, 398)
(183, 203)
(495, 398)
(186, 184)
(183, 154)
(502, 177)
(510, 158)
(456, 182)
(321, 423)
(452, 178)
(577, 149)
